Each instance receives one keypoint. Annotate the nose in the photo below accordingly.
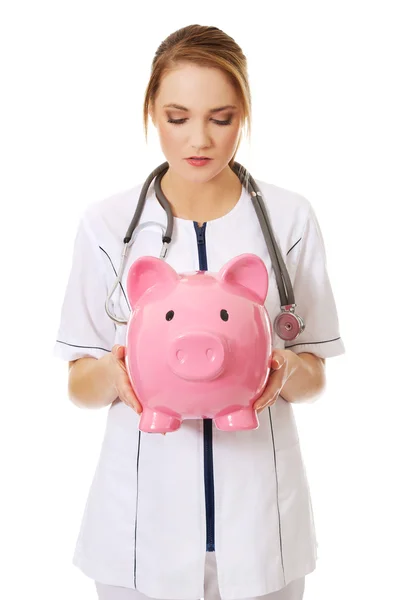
(197, 356)
(200, 138)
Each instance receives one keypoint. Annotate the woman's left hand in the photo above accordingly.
(277, 378)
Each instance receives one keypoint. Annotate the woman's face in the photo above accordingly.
(197, 132)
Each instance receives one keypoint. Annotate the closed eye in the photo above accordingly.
(181, 121)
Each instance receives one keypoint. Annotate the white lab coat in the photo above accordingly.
(144, 524)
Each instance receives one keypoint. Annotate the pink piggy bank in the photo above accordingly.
(198, 344)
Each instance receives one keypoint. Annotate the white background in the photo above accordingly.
(324, 78)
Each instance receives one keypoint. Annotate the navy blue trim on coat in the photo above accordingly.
(137, 503)
(116, 275)
(76, 346)
(277, 493)
(310, 343)
(294, 245)
(207, 423)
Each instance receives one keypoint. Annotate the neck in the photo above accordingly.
(202, 201)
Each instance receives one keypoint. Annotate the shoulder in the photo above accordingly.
(114, 208)
(288, 210)
(109, 217)
(282, 200)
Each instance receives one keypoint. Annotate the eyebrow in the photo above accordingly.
(213, 110)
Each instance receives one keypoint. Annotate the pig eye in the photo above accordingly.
(169, 315)
(224, 315)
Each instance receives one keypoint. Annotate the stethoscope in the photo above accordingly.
(288, 325)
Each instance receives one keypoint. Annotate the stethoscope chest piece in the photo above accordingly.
(288, 325)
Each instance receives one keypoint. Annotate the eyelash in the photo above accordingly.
(181, 121)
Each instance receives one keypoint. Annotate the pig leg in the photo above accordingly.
(244, 418)
(156, 421)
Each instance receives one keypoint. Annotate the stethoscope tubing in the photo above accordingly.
(284, 285)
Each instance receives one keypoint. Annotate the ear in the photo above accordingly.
(147, 272)
(248, 271)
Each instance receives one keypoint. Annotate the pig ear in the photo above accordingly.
(248, 271)
(146, 272)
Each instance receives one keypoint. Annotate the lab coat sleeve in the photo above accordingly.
(314, 298)
(85, 329)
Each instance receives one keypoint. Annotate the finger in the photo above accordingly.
(277, 362)
(134, 405)
(118, 351)
(275, 382)
(129, 398)
(271, 392)
(269, 402)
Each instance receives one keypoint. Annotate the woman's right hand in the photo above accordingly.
(120, 379)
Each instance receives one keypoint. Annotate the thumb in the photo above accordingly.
(118, 351)
(277, 361)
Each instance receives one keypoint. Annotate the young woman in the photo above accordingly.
(199, 512)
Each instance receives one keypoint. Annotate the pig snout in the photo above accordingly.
(197, 356)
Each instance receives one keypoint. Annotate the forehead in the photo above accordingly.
(196, 87)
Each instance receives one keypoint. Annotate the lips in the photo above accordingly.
(198, 162)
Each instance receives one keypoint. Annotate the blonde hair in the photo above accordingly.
(207, 47)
